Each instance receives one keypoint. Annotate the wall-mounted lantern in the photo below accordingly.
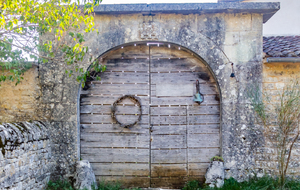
(198, 97)
(232, 71)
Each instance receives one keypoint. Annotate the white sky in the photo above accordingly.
(156, 1)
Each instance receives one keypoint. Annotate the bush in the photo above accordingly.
(65, 185)
(263, 183)
(255, 183)
(192, 185)
(59, 185)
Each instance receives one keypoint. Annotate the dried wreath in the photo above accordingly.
(114, 109)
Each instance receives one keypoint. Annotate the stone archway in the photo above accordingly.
(176, 137)
(218, 33)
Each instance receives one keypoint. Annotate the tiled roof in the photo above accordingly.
(282, 46)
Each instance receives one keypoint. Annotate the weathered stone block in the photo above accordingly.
(232, 38)
(84, 176)
(257, 22)
(238, 22)
(215, 174)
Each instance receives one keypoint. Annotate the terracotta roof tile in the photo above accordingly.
(282, 46)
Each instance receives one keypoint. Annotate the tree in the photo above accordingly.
(280, 119)
(25, 24)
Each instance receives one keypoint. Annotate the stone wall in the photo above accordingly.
(275, 76)
(25, 156)
(20, 103)
(218, 33)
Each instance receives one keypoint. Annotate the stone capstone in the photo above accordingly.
(84, 176)
(215, 174)
(225, 6)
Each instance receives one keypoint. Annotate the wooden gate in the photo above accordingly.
(175, 138)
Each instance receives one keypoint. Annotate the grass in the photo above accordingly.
(263, 183)
(65, 185)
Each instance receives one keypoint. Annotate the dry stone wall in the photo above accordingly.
(25, 156)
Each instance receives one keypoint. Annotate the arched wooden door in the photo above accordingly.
(175, 138)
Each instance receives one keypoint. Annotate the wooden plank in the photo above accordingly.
(127, 65)
(206, 89)
(125, 181)
(203, 119)
(106, 109)
(168, 130)
(175, 156)
(121, 169)
(168, 120)
(184, 77)
(114, 140)
(196, 169)
(208, 100)
(153, 93)
(203, 129)
(139, 89)
(168, 170)
(143, 89)
(169, 182)
(106, 119)
(183, 89)
(203, 140)
(129, 51)
(109, 100)
(168, 110)
(113, 128)
(175, 65)
(114, 155)
(120, 77)
(179, 89)
(168, 141)
(202, 154)
(164, 51)
(200, 178)
(203, 109)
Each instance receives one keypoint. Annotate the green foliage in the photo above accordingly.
(59, 185)
(217, 158)
(65, 185)
(43, 31)
(109, 186)
(255, 183)
(192, 185)
(263, 183)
